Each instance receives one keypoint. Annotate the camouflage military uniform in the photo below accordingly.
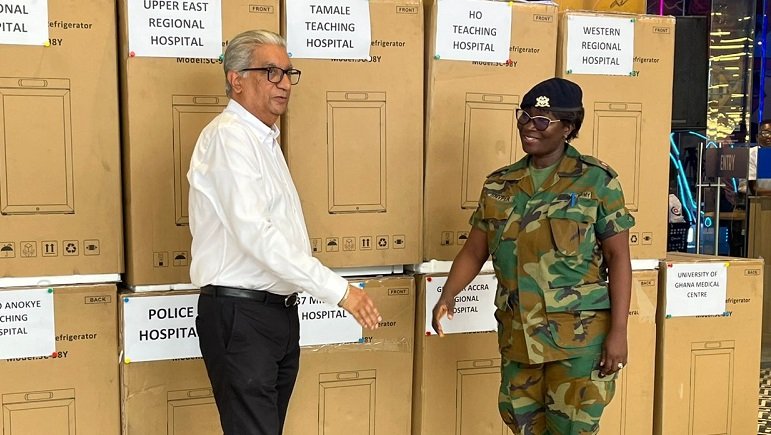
(552, 297)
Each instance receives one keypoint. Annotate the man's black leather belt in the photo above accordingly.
(255, 295)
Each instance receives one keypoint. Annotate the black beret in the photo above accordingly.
(554, 94)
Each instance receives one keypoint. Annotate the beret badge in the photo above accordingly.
(542, 102)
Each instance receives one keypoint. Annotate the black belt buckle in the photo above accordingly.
(291, 300)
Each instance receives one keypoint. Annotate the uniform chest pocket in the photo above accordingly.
(498, 215)
(571, 226)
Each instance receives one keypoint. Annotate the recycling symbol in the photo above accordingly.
(71, 248)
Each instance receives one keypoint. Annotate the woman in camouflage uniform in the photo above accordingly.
(556, 227)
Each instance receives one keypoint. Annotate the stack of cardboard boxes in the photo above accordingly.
(471, 131)
(165, 103)
(60, 220)
(353, 140)
(626, 125)
(355, 125)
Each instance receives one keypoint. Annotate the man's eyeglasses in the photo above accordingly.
(276, 74)
(765, 133)
(540, 123)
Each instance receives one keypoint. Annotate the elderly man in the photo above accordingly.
(251, 252)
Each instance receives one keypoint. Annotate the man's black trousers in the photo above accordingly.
(252, 353)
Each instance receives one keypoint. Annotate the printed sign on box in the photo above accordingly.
(696, 289)
(24, 22)
(27, 323)
(160, 327)
(175, 28)
(328, 29)
(474, 305)
(600, 45)
(321, 323)
(473, 30)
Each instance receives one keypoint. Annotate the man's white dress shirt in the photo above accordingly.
(245, 216)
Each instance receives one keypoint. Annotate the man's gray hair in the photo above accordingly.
(238, 55)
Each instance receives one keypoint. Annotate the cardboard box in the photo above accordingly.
(171, 397)
(631, 410)
(630, 6)
(166, 102)
(354, 145)
(75, 391)
(166, 397)
(361, 388)
(60, 197)
(471, 127)
(456, 379)
(707, 367)
(627, 124)
(758, 247)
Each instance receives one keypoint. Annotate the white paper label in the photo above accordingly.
(160, 327)
(474, 305)
(696, 289)
(474, 30)
(27, 323)
(600, 45)
(321, 323)
(24, 22)
(175, 28)
(328, 29)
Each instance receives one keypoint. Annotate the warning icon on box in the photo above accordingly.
(382, 242)
(161, 259)
(50, 248)
(333, 244)
(349, 243)
(28, 249)
(7, 250)
(91, 247)
(70, 247)
(180, 258)
(399, 241)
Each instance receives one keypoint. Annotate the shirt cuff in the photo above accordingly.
(334, 290)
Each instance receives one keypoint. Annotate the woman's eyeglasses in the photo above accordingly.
(540, 123)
